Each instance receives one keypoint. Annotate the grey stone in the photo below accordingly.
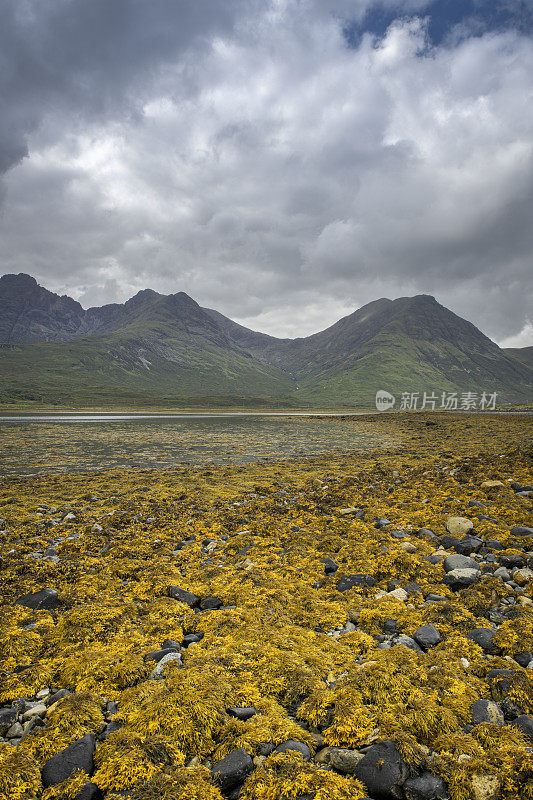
(484, 637)
(427, 636)
(458, 561)
(291, 744)
(425, 786)
(459, 578)
(192, 600)
(344, 760)
(157, 672)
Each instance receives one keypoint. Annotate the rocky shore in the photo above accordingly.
(358, 626)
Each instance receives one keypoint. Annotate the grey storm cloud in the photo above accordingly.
(245, 153)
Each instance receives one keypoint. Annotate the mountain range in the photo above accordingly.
(160, 350)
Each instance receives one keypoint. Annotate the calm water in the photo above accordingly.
(73, 442)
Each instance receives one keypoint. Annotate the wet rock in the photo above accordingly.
(525, 724)
(59, 695)
(382, 522)
(111, 727)
(349, 581)
(484, 637)
(157, 655)
(407, 641)
(211, 603)
(458, 561)
(382, 770)
(16, 731)
(46, 599)
(426, 636)
(425, 786)
(192, 600)
(486, 711)
(523, 658)
(38, 710)
(78, 755)
(243, 713)
(512, 561)
(232, 770)
(291, 744)
(459, 526)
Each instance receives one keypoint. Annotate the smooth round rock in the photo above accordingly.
(243, 713)
(459, 526)
(232, 770)
(484, 637)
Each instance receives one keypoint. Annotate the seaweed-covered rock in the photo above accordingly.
(382, 770)
(486, 711)
(78, 755)
(291, 744)
(344, 760)
(525, 724)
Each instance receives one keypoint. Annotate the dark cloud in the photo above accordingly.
(246, 153)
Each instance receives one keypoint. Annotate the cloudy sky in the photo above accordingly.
(283, 161)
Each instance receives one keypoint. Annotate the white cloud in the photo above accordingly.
(284, 178)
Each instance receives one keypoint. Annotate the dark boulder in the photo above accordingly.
(484, 637)
(232, 770)
(89, 792)
(330, 566)
(78, 755)
(45, 599)
(525, 724)
(427, 636)
(243, 712)
(211, 603)
(349, 581)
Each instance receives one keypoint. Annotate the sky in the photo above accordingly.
(282, 161)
